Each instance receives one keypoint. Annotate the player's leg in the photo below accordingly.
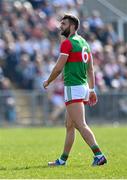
(76, 112)
(70, 135)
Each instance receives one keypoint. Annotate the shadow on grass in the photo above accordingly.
(22, 168)
(35, 167)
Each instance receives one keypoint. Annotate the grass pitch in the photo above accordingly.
(24, 153)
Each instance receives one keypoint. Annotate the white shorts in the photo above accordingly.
(79, 93)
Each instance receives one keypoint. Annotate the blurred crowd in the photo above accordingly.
(29, 43)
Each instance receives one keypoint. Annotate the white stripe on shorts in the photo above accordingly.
(76, 92)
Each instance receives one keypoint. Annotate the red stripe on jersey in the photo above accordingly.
(77, 57)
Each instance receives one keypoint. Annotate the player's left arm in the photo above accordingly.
(91, 82)
(57, 69)
(90, 72)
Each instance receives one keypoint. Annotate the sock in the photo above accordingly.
(96, 150)
(64, 156)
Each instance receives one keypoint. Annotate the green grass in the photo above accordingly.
(24, 153)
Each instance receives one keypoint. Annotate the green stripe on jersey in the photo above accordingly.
(75, 73)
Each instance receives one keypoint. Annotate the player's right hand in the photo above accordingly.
(45, 84)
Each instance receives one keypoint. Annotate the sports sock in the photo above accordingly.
(96, 150)
(64, 156)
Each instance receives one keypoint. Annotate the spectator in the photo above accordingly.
(95, 21)
(32, 26)
(8, 101)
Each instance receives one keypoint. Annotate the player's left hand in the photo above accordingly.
(45, 84)
(92, 99)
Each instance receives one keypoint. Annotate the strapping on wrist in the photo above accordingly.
(91, 90)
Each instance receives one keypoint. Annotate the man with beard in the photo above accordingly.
(76, 61)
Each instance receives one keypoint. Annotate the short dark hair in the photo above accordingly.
(73, 19)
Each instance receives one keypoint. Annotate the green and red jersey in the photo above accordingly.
(78, 51)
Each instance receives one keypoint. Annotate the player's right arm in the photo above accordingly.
(64, 53)
(56, 70)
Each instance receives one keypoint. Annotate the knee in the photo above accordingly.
(81, 126)
(69, 126)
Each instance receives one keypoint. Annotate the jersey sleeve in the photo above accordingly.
(66, 47)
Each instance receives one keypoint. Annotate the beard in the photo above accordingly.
(66, 32)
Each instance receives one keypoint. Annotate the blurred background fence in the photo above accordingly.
(35, 108)
(29, 48)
